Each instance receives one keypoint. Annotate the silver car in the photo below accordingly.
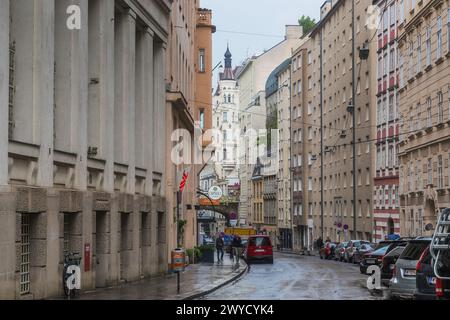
(403, 282)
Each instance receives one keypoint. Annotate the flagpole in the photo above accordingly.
(178, 217)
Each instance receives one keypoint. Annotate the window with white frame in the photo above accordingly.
(429, 113)
(419, 175)
(419, 52)
(430, 171)
(393, 14)
(392, 59)
(429, 30)
(411, 60)
(439, 37)
(401, 71)
(440, 107)
(448, 30)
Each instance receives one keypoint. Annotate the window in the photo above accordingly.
(402, 71)
(310, 184)
(225, 116)
(309, 57)
(428, 46)
(419, 52)
(310, 85)
(419, 175)
(391, 108)
(401, 8)
(448, 30)
(440, 107)
(310, 133)
(439, 38)
(393, 14)
(429, 114)
(392, 60)
(440, 173)
(202, 118)
(201, 62)
(411, 60)
(225, 155)
(430, 171)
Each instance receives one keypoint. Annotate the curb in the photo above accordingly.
(204, 293)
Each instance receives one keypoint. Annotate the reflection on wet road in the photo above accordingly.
(297, 278)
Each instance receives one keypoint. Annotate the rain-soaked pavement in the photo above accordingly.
(294, 277)
(196, 280)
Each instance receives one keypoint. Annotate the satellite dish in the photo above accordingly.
(429, 227)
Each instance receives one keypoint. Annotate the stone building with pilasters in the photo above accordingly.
(81, 151)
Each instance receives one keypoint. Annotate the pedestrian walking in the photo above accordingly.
(319, 243)
(231, 250)
(219, 248)
(237, 246)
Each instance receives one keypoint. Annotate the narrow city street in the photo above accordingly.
(293, 277)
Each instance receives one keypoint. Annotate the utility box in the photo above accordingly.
(178, 260)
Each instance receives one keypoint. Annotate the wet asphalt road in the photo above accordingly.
(298, 278)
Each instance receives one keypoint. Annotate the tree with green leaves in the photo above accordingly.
(307, 23)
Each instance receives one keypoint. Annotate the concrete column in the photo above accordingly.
(101, 85)
(4, 89)
(43, 86)
(71, 85)
(124, 111)
(159, 109)
(145, 106)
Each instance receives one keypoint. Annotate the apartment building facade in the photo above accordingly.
(81, 165)
(329, 130)
(278, 104)
(252, 77)
(424, 49)
(386, 175)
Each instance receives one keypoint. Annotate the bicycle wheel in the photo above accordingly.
(66, 289)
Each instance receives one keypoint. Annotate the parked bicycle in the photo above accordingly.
(71, 274)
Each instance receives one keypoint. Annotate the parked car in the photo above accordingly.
(388, 264)
(374, 258)
(259, 248)
(443, 285)
(361, 251)
(339, 251)
(403, 282)
(425, 278)
(327, 252)
(351, 248)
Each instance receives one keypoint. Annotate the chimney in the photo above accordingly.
(294, 32)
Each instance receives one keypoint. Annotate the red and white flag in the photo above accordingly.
(183, 181)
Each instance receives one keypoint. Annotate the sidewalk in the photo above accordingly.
(198, 280)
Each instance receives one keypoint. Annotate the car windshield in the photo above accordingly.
(414, 250)
(381, 251)
(259, 242)
(396, 252)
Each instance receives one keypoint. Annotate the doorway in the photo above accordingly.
(101, 252)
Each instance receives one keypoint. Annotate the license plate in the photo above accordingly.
(259, 250)
(409, 273)
(370, 261)
(432, 280)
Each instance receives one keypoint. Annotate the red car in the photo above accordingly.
(259, 248)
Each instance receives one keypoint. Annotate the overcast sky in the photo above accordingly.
(267, 17)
